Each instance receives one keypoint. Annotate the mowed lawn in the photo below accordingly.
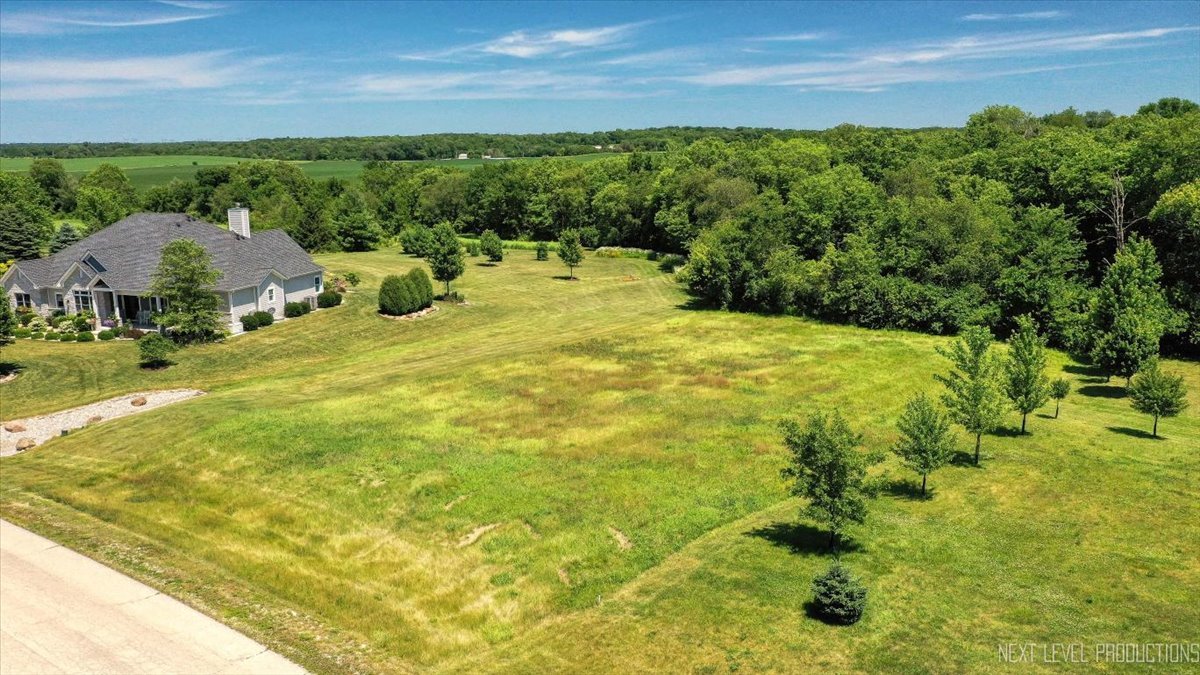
(584, 476)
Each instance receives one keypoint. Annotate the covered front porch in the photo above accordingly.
(127, 308)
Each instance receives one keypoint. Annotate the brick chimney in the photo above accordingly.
(239, 221)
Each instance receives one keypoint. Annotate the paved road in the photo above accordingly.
(61, 612)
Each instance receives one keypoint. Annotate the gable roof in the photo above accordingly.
(129, 251)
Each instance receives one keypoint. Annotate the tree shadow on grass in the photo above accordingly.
(1136, 433)
(8, 368)
(1103, 391)
(802, 538)
(907, 489)
(1009, 432)
(965, 459)
(485, 264)
(1045, 416)
(564, 277)
(1090, 371)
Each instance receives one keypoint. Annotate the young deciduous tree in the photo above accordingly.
(1129, 313)
(543, 251)
(570, 250)
(925, 444)
(1156, 393)
(1025, 379)
(491, 246)
(973, 399)
(1058, 391)
(446, 257)
(826, 468)
(184, 279)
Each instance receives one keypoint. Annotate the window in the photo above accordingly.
(94, 264)
(83, 301)
(271, 294)
(23, 299)
(59, 302)
(317, 284)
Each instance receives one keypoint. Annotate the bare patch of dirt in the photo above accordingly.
(474, 535)
(454, 502)
(623, 542)
(564, 577)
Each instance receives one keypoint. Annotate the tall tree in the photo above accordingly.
(925, 444)
(110, 177)
(185, 279)
(1156, 393)
(99, 207)
(52, 178)
(446, 257)
(20, 237)
(973, 397)
(1025, 380)
(570, 250)
(826, 469)
(66, 235)
(1129, 313)
(355, 223)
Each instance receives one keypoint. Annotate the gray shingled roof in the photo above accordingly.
(130, 250)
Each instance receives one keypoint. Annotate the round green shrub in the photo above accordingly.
(264, 318)
(329, 298)
(22, 332)
(51, 336)
(35, 335)
(838, 597)
(397, 296)
(26, 317)
(249, 322)
(86, 336)
(153, 350)
(422, 288)
(67, 337)
(107, 334)
(294, 310)
(543, 251)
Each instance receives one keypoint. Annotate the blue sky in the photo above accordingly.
(223, 69)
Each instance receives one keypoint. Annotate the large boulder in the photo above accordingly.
(138, 402)
(25, 444)
(14, 427)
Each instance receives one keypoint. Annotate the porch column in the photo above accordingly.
(116, 308)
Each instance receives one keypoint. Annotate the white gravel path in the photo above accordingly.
(44, 427)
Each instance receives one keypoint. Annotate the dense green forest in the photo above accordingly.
(1090, 223)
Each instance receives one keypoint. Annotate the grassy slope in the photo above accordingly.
(305, 499)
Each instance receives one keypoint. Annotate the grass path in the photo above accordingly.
(319, 496)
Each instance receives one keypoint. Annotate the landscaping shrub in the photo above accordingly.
(57, 320)
(66, 337)
(107, 335)
(22, 332)
(491, 246)
(36, 335)
(326, 299)
(249, 322)
(26, 317)
(453, 296)
(153, 350)
(293, 310)
(417, 240)
(543, 251)
(37, 324)
(352, 278)
(422, 288)
(81, 322)
(473, 249)
(85, 336)
(51, 336)
(134, 333)
(264, 318)
(838, 597)
(397, 296)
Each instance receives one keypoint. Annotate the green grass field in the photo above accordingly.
(449, 494)
(146, 171)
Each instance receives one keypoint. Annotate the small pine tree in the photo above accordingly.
(1025, 370)
(8, 322)
(838, 597)
(826, 469)
(570, 250)
(1129, 312)
(446, 257)
(925, 444)
(973, 399)
(20, 236)
(491, 246)
(66, 235)
(1058, 391)
(1156, 393)
(543, 251)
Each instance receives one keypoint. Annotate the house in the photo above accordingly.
(109, 273)
(463, 155)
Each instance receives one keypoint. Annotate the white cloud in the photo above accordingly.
(488, 85)
(790, 37)
(525, 44)
(65, 21)
(1020, 16)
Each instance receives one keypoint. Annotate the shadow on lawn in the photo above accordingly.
(1091, 373)
(8, 368)
(1103, 391)
(966, 459)
(907, 489)
(1136, 433)
(802, 538)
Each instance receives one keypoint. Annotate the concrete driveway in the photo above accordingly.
(61, 612)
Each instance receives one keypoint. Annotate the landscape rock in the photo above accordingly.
(14, 427)
(25, 444)
(94, 418)
(138, 402)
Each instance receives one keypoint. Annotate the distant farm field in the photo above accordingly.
(146, 171)
(583, 476)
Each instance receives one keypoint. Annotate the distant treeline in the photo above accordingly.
(412, 148)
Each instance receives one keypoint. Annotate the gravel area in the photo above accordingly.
(44, 427)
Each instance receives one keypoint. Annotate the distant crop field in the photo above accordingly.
(146, 171)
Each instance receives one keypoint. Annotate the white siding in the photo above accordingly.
(43, 299)
(299, 289)
(275, 307)
(243, 303)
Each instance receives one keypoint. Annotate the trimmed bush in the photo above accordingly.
(51, 336)
(327, 299)
(249, 322)
(838, 597)
(107, 335)
(26, 317)
(294, 310)
(66, 337)
(153, 350)
(35, 335)
(86, 336)
(543, 251)
(422, 287)
(396, 296)
(352, 278)
(22, 332)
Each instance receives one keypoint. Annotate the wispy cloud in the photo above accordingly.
(1019, 16)
(126, 16)
(971, 57)
(57, 79)
(488, 84)
(791, 37)
(195, 4)
(525, 44)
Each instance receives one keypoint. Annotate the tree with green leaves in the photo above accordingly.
(185, 279)
(1129, 313)
(355, 223)
(1156, 393)
(543, 251)
(99, 208)
(825, 468)
(973, 397)
(1025, 380)
(926, 443)
(20, 237)
(446, 257)
(491, 246)
(52, 177)
(154, 351)
(8, 321)
(570, 250)
(110, 177)
(66, 235)
(1058, 391)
